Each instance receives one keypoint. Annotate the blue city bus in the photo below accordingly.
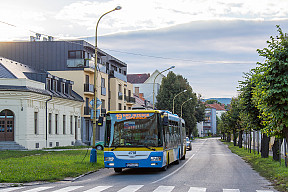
(143, 139)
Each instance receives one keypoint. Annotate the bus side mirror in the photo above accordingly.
(165, 120)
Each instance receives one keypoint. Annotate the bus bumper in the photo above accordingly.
(154, 160)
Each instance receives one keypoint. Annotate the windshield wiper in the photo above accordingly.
(148, 148)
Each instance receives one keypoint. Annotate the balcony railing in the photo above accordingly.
(130, 99)
(89, 88)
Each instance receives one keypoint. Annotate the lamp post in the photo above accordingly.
(95, 77)
(155, 80)
(176, 96)
(183, 104)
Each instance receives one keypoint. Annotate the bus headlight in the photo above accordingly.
(155, 158)
(109, 158)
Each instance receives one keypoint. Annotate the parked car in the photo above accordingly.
(188, 144)
(99, 145)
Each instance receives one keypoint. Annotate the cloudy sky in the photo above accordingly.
(211, 42)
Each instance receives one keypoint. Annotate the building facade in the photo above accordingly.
(37, 110)
(74, 60)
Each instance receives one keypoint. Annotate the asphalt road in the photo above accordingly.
(210, 166)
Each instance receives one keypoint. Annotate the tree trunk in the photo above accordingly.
(234, 138)
(229, 137)
(240, 139)
(276, 149)
(265, 146)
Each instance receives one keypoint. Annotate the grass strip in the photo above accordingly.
(267, 167)
(29, 166)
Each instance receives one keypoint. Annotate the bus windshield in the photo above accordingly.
(133, 129)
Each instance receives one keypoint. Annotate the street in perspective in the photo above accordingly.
(209, 166)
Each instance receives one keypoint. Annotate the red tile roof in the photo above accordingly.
(137, 78)
(217, 106)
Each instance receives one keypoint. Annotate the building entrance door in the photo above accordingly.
(6, 125)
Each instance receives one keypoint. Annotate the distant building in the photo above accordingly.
(37, 110)
(220, 108)
(143, 83)
(209, 125)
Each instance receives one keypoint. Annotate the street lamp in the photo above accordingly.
(183, 104)
(95, 77)
(155, 80)
(176, 96)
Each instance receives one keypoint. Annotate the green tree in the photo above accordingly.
(171, 86)
(271, 87)
(250, 114)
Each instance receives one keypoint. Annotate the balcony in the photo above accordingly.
(77, 63)
(89, 88)
(103, 91)
(130, 99)
(120, 96)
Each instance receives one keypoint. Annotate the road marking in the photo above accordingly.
(131, 188)
(67, 189)
(98, 189)
(11, 189)
(231, 190)
(38, 189)
(164, 189)
(263, 191)
(197, 189)
(179, 167)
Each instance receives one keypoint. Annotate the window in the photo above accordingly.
(71, 124)
(119, 106)
(62, 87)
(119, 88)
(36, 123)
(48, 84)
(87, 79)
(70, 90)
(50, 123)
(102, 82)
(64, 124)
(54, 85)
(56, 124)
(75, 54)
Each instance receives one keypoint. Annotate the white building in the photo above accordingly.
(39, 113)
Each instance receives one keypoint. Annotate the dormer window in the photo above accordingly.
(62, 87)
(55, 85)
(48, 83)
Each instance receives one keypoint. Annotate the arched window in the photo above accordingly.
(6, 125)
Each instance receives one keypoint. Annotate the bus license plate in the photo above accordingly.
(132, 165)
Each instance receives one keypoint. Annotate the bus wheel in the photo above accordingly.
(118, 170)
(164, 168)
(183, 158)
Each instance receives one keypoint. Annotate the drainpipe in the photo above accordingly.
(46, 119)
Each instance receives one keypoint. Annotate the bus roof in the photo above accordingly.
(135, 111)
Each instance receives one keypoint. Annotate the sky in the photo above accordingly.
(211, 43)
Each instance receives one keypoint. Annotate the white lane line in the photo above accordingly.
(231, 190)
(263, 191)
(10, 189)
(197, 189)
(67, 189)
(179, 167)
(131, 188)
(38, 189)
(164, 189)
(98, 189)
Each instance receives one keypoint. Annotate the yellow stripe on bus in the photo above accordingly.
(136, 111)
(133, 149)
